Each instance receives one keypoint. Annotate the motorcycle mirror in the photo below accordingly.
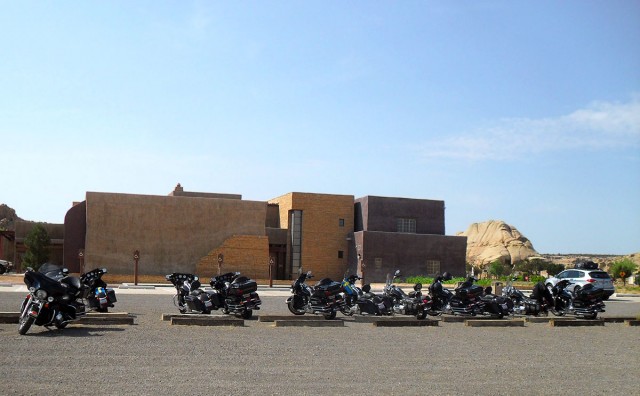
(65, 271)
(397, 273)
(104, 270)
(417, 286)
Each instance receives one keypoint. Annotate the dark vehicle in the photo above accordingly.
(538, 303)
(55, 298)
(471, 299)
(586, 303)
(189, 297)
(95, 291)
(239, 294)
(414, 303)
(440, 295)
(373, 304)
(232, 293)
(5, 266)
(324, 298)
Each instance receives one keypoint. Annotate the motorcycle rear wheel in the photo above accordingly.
(330, 316)
(247, 314)
(421, 314)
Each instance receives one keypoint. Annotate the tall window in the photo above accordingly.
(296, 240)
(407, 225)
(433, 267)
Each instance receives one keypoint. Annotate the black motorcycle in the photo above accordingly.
(414, 304)
(324, 298)
(536, 304)
(238, 292)
(189, 297)
(440, 295)
(586, 304)
(95, 291)
(471, 299)
(55, 298)
(232, 293)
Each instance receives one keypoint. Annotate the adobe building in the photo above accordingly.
(405, 234)
(206, 233)
(12, 247)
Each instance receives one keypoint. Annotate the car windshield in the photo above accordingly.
(599, 275)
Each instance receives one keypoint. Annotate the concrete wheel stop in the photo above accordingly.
(494, 323)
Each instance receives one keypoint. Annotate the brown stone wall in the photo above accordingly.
(381, 214)
(322, 235)
(248, 254)
(171, 233)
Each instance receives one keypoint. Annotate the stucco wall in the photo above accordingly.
(172, 233)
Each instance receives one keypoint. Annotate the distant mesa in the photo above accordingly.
(496, 240)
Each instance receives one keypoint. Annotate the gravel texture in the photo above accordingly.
(154, 357)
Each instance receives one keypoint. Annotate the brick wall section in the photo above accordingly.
(322, 235)
(248, 254)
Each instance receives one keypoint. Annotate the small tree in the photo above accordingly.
(498, 269)
(622, 269)
(554, 269)
(37, 243)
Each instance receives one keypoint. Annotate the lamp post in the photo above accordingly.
(220, 261)
(136, 258)
(81, 260)
(271, 264)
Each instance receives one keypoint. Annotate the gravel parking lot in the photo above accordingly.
(154, 357)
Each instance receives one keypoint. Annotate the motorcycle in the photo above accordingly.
(440, 295)
(189, 297)
(95, 291)
(586, 304)
(470, 299)
(238, 292)
(324, 298)
(535, 305)
(414, 303)
(54, 299)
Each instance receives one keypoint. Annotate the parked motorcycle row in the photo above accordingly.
(56, 298)
(231, 293)
(328, 297)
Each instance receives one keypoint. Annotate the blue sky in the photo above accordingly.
(527, 111)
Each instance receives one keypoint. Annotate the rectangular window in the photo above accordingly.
(433, 267)
(378, 263)
(296, 240)
(341, 222)
(406, 225)
(340, 254)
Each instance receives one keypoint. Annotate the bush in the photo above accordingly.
(622, 269)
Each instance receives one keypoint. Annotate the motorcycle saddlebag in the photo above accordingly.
(111, 296)
(470, 292)
(244, 286)
(588, 292)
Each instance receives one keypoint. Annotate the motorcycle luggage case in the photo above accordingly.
(589, 293)
(330, 287)
(244, 286)
(587, 265)
(472, 291)
(111, 296)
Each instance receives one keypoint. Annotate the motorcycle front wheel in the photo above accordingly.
(294, 310)
(421, 314)
(247, 314)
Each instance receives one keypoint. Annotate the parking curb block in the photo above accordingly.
(405, 323)
(273, 318)
(206, 321)
(494, 323)
(575, 323)
(309, 323)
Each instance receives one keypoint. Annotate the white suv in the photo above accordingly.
(581, 277)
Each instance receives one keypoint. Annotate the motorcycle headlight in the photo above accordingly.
(41, 294)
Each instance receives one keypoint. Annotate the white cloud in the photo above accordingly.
(600, 126)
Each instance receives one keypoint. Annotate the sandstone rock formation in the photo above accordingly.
(7, 217)
(496, 240)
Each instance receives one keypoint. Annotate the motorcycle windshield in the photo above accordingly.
(51, 271)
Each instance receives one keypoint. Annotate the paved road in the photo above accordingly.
(153, 357)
